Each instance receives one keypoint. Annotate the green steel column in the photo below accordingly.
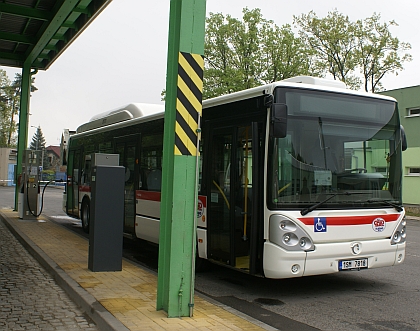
(23, 123)
(182, 110)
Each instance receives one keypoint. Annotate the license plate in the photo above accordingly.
(353, 264)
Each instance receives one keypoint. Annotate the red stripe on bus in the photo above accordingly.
(84, 188)
(351, 220)
(148, 195)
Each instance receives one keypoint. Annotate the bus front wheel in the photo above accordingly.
(85, 215)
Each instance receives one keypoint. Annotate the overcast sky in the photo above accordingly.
(121, 57)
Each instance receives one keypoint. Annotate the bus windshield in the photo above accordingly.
(346, 147)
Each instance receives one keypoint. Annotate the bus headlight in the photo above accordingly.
(306, 244)
(290, 239)
(399, 236)
(289, 235)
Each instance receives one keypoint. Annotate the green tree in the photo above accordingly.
(255, 51)
(38, 144)
(231, 53)
(284, 55)
(6, 95)
(345, 49)
(379, 52)
(16, 89)
(10, 93)
(334, 41)
(248, 53)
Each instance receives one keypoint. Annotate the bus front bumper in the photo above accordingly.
(325, 259)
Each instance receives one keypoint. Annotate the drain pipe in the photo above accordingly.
(194, 236)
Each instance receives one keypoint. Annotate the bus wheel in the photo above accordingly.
(85, 215)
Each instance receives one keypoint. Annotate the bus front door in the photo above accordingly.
(229, 196)
(127, 151)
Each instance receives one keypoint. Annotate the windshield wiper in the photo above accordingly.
(305, 211)
(387, 202)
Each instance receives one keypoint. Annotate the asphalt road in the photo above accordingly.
(385, 299)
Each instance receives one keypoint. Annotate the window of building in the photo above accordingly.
(413, 171)
(381, 169)
(413, 112)
(13, 155)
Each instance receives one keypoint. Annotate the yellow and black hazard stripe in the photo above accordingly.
(188, 103)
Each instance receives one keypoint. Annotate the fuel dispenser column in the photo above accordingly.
(28, 206)
(106, 213)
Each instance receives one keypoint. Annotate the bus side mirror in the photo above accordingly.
(279, 120)
(404, 144)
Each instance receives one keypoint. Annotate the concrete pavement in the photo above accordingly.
(124, 300)
(30, 298)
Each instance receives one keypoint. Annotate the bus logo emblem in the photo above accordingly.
(378, 224)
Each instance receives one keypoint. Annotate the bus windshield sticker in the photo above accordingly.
(323, 178)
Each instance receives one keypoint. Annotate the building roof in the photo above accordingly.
(53, 149)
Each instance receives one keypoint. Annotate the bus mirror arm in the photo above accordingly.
(279, 120)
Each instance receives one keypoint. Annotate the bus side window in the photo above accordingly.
(85, 175)
(105, 147)
(85, 180)
(142, 178)
(154, 180)
(151, 162)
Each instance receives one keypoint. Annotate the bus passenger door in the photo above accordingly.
(229, 190)
(128, 156)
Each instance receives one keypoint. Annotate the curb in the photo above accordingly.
(103, 319)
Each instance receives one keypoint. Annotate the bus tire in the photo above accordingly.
(85, 215)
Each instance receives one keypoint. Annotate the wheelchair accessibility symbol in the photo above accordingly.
(320, 224)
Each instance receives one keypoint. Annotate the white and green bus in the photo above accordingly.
(299, 177)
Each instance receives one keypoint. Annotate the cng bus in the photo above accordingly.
(296, 178)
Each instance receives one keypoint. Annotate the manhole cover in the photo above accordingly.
(269, 302)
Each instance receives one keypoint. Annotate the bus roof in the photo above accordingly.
(305, 82)
(143, 110)
(121, 114)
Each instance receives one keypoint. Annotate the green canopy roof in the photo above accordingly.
(36, 32)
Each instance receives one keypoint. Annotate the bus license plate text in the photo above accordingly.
(353, 264)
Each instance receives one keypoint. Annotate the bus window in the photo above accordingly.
(151, 162)
(85, 176)
(85, 180)
(105, 147)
